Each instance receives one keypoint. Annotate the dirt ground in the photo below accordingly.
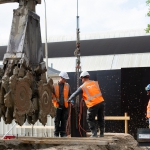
(119, 142)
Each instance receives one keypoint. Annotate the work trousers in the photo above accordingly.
(97, 110)
(60, 121)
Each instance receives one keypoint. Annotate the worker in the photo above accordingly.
(148, 106)
(61, 93)
(94, 101)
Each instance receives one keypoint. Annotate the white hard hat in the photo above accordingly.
(147, 88)
(84, 73)
(64, 75)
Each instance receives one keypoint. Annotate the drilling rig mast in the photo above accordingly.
(77, 67)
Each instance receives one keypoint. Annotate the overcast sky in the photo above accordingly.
(95, 16)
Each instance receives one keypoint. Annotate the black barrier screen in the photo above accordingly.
(134, 97)
(123, 91)
(110, 84)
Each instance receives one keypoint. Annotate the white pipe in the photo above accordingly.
(8, 131)
(46, 46)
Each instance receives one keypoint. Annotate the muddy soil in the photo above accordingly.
(120, 142)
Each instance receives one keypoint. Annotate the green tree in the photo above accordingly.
(148, 14)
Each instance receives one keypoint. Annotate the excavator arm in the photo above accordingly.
(11, 1)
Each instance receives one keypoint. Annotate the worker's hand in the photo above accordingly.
(72, 102)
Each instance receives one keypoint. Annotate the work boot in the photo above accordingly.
(63, 135)
(102, 133)
(94, 133)
(56, 136)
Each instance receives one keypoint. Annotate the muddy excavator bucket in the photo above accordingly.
(25, 93)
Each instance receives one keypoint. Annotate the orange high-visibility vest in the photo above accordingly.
(91, 93)
(55, 95)
(148, 110)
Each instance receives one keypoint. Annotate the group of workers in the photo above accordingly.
(92, 96)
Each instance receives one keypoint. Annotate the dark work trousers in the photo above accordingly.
(60, 121)
(92, 112)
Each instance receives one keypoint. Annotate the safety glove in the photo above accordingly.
(72, 102)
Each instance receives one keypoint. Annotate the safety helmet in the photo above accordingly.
(84, 74)
(64, 75)
(147, 88)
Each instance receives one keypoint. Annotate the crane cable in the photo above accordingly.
(80, 114)
(68, 124)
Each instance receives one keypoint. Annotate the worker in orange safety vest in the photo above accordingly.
(148, 106)
(61, 92)
(94, 101)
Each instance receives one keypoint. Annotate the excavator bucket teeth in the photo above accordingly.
(19, 119)
(1, 73)
(43, 119)
(29, 119)
(8, 100)
(9, 116)
(53, 112)
(35, 117)
(2, 93)
(22, 97)
(45, 101)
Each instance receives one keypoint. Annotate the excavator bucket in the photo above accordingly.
(25, 93)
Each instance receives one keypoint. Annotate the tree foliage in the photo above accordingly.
(148, 14)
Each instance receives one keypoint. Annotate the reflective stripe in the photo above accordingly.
(85, 84)
(148, 109)
(67, 87)
(55, 88)
(88, 94)
(65, 100)
(57, 94)
(54, 98)
(56, 91)
(97, 86)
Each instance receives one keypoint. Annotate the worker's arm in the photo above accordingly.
(77, 92)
